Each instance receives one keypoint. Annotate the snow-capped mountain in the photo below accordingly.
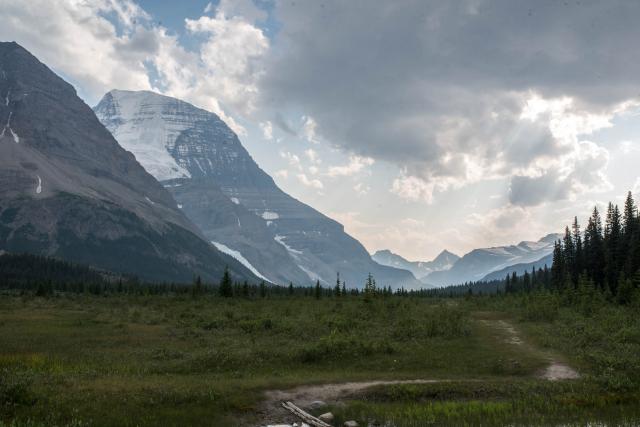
(201, 161)
(480, 262)
(67, 189)
(420, 269)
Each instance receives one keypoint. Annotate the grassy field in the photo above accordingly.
(178, 360)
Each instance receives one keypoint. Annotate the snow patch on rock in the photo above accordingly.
(235, 200)
(39, 186)
(270, 215)
(280, 239)
(238, 256)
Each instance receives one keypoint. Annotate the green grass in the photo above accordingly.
(175, 360)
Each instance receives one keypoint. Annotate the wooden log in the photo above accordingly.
(306, 417)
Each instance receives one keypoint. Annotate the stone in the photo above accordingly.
(326, 417)
(350, 424)
(317, 404)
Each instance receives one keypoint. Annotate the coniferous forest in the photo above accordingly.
(605, 257)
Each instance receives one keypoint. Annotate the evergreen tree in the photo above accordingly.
(369, 287)
(613, 243)
(558, 266)
(245, 289)
(263, 289)
(526, 281)
(226, 287)
(594, 252)
(569, 254)
(318, 289)
(344, 288)
(336, 290)
(290, 288)
(625, 290)
(578, 256)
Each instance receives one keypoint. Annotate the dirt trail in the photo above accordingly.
(304, 396)
(556, 370)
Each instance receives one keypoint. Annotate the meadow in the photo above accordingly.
(107, 360)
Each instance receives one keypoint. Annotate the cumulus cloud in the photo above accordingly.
(106, 44)
(310, 182)
(267, 130)
(355, 165)
(77, 39)
(439, 88)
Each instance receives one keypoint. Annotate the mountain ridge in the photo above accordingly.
(419, 269)
(67, 188)
(208, 162)
(478, 263)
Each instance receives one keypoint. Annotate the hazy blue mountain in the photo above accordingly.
(478, 263)
(519, 269)
(420, 269)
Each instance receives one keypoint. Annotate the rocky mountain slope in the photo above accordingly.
(420, 269)
(201, 161)
(480, 262)
(67, 189)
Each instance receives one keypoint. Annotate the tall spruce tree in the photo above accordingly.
(594, 252)
(558, 266)
(226, 286)
(578, 255)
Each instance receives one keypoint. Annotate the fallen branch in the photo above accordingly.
(306, 417)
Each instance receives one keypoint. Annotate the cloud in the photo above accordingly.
(267, 130)
(292, 159)
(312, 155)
(361, 188)
(445, 90)
(355, 165)
(309, 129)
(104, 44)
(78, 40)
(313, 182)
(229, 58)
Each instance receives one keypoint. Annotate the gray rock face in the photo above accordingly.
(479, 263)
(198, 158)
(68, 189)
(444, 261)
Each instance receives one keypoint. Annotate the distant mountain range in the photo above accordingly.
(238, 206)
(519, 269)
(420, 269)
(67, 189)
(478, 263)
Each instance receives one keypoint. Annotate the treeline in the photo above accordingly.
(605, 257)
(46, 276)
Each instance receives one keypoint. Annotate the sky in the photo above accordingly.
(419, 125)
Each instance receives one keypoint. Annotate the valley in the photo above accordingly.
(79, 359)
